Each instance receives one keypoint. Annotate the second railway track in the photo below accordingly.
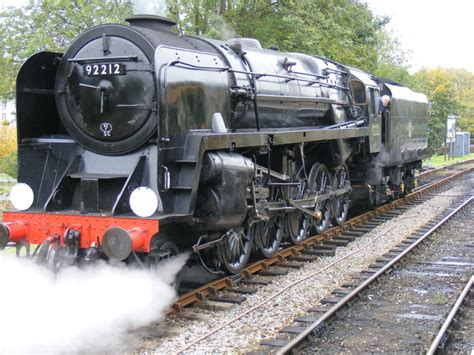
(404, 311)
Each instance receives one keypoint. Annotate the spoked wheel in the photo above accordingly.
(296, 223)
(319, 183)
(268, 236)
(234, 250)
(340, 204)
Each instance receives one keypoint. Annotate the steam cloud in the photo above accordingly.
(223, 29)
(80, 310)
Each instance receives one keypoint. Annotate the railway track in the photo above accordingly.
(380, 319)
(429, 176)
(233, 289)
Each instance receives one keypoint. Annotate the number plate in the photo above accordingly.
(104, 69)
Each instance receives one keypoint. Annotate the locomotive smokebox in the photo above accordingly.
(118, 243)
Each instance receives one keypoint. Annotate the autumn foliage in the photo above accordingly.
(8, 152)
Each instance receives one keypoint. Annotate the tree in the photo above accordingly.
(49, 25)
(440, 88)
(393, 61)
(464, 87)
(342, 30)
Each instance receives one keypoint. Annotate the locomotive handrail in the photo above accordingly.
(165, 89)
(348, 124)
(257, 75)
(335, 71)
(322, 76)
(131, 58)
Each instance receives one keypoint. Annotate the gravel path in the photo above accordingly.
(245, 334)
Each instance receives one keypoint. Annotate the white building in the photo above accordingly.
(7, 111)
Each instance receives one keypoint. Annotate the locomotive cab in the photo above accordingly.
(365, 94)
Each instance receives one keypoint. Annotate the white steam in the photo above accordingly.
(80, 310)
(146, 7)
(223, 30)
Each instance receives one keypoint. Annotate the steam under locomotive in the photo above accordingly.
(137, 143)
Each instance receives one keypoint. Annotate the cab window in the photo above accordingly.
(374, 100)
(358, 92)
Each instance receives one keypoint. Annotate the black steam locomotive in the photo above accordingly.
(138, 143)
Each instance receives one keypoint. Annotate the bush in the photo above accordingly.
(8, 164)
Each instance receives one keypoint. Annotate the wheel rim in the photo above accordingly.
(320, 183)
(341, 209)
(268, 236)
(297, 227)
(297, 223)
(234, 251)
(340, 205)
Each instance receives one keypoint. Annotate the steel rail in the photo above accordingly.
(445, 167)
(449, 319)
(211, 288)
(300, 338)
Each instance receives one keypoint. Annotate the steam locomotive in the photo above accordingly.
(137, 143)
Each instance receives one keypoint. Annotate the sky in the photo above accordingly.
(437, 32)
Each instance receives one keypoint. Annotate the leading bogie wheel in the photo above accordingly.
(162, 250)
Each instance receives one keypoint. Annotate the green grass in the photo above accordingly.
(438, 160)
(439, 298)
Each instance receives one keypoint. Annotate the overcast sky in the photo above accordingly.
(437, 32)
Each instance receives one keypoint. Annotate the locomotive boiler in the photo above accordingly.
(137, 143)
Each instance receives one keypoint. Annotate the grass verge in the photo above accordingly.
(438, 160)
